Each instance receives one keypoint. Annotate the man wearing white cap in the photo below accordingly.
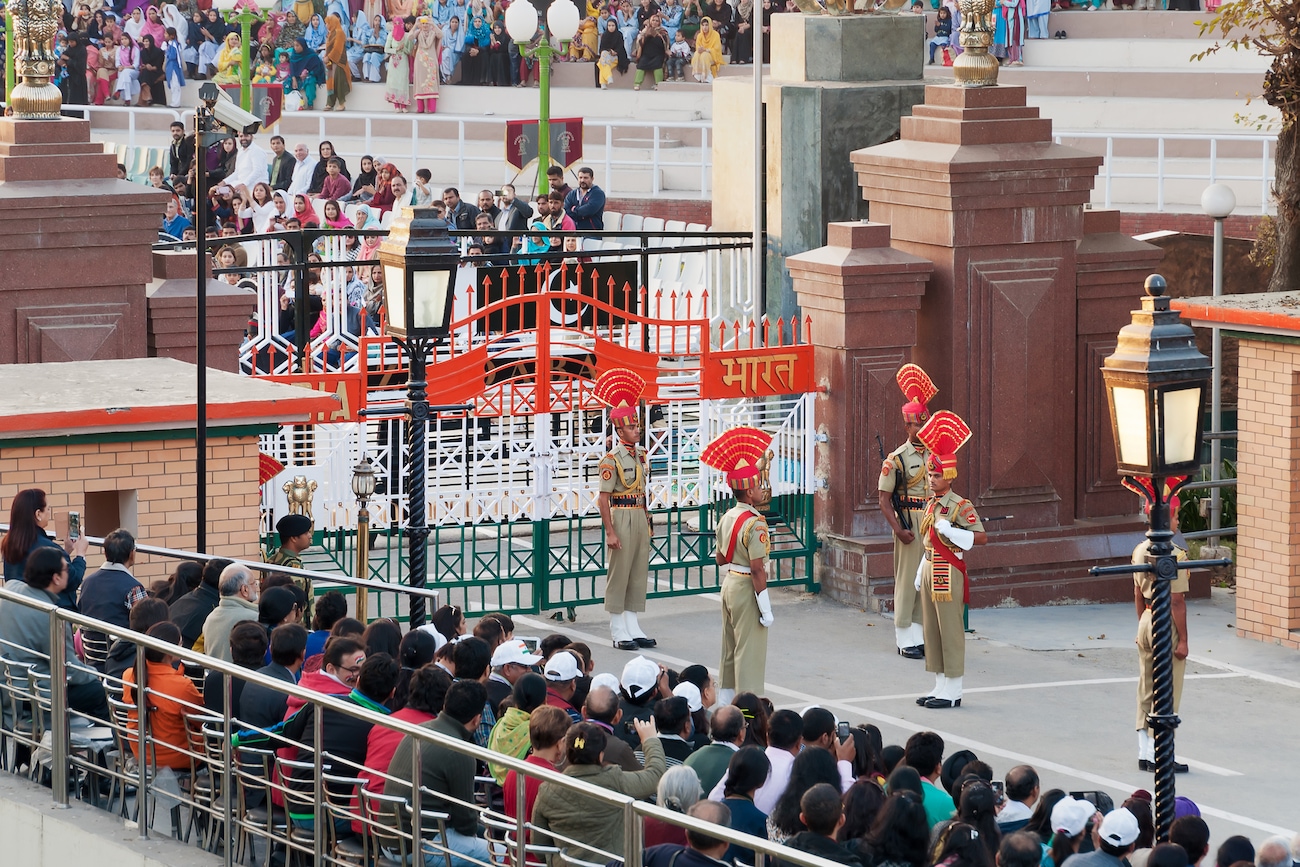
(1119, 831)
(644, 682)
(510, 661)
(562, 673)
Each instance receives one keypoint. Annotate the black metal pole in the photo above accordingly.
(417, 530)
(1162, 719)
(201, 123)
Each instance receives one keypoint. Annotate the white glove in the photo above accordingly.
(765, 617)
(963, 539)
(919, 570)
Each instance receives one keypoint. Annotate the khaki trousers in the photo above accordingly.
(906, 559)
(1146, 672)
(629, 566)
(945, 634)
(744, 639)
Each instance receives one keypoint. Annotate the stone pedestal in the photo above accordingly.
(1025, 298)
(836, 83)
(172, 328)
(75, 246)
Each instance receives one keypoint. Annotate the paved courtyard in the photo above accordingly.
(1051, 686)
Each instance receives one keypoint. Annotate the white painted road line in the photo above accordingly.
(1051, 684)
(979, 747)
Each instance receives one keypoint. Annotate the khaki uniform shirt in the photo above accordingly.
(624, 470)
(755, 542)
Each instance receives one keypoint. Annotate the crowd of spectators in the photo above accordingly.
(802, 779)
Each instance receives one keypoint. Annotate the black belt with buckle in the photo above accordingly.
(627, 501)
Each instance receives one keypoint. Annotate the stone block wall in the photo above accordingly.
(1268, 501)
(155, 482)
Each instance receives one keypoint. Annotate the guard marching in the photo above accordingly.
(743, 545)
(949, 527)
(903, 489)
(623, 509)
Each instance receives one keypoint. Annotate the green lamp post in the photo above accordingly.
(521, 23)
(244, 18)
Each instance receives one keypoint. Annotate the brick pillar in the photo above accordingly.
(173, 332)
(862, 297)
(1268, 500)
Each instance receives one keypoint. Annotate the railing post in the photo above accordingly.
(228, 756)
(521, 821)
(142, 754)
(58, 711)
(417, 804)
(632, 836)
(319, 815)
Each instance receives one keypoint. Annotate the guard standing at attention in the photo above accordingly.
(295, 537)
(1144, 590)
(949, 527)
(623, 509)
(903, 490)
(744, 543)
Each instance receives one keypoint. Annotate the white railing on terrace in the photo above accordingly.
(1135, 162)
(635, 163)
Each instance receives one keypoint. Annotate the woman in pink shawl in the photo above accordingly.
(154, 26)
(334, 216)
(398, 50)
(428, 47)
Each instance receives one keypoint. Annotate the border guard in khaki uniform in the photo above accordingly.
(949, 527)
(904, 488)
(744, 543)
(623, 509)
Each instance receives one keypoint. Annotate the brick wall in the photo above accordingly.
(687, 210)
(1268, 502)
(161, 475)
(1236, 226)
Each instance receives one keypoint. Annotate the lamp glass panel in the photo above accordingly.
(1180, 417)
(430, 299)
(363, 480)
(521, 21)
(1131, 424)
(395, 296)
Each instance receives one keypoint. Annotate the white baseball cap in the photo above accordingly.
(514, 651)
(1120, 827)
(562, 666)
(691, 693)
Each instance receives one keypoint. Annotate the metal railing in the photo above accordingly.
(451, 146)
(219, 781)
(1192, 151)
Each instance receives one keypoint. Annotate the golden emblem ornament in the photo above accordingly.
(299, 491)
(36, 23)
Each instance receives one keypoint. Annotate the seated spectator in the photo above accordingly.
(747, 771)
(1190, 832)
(330, 608)
(424, 701)
(710, 761)
(1071, 817)
(900, 835)
(26, 631)
(924, 753)
(248, 643)
(862, 803)
(186, 578)
(29, 515)
(340, 667)
(678, 791)
(758, 715)
(1235, 848)
(547, 727)
(1273, 852)
(122, 654)
(700, 850)
(344, 627)
(449, 620)
(812, 766)
(1021, 792)
(785, 736)
(277, 606)
(260, 706)
(191, 611)
(822, 813)
(510, 734)
(1040, 822)
(239, 595)
(959, 846)
(174, 222)
(471, 660)
(673, 719)
(1171, 855)
(598, 824)
(602, 709)
(510, 661)
(1115, 839)
(561, 674)
(334, 185)
(415, 651)
(172, 696)
(344, 738)
(1019, 849)
(383, 636)
(820, 730)
(643, 683)
(448, 775)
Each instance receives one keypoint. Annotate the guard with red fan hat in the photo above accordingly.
(903, 489)
(1144, 589)
(949, 527)
(623, 509)
(744, 542)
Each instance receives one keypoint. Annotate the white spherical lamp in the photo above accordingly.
(1218, 201)
(562, 20)
(521, 21)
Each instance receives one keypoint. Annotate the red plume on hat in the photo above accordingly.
(1141, 485)
(619, 389)
(742, 454)
(919, 389)
(943, 435)
(267, 468)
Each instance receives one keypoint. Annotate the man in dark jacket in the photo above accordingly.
(822, 813)
(460, 213)
(445, 771)
(602, 709)
(586, 204)
(191, 610)
(110, 593)
(260, 706)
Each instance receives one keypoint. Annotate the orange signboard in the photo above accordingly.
(347, 387)
(760, 372)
